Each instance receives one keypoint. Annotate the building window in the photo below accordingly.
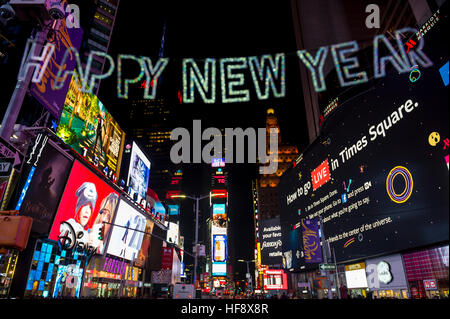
(103, 18)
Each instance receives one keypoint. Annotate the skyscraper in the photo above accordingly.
(151, 126)
(102, 16)
(267, 183)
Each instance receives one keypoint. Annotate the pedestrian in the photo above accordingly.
(344, 292)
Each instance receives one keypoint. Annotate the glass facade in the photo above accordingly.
(428, 264)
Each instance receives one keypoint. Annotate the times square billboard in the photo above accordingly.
(91, 131)
(378, 173)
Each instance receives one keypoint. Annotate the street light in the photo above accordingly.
(248, 269)
(197, 199)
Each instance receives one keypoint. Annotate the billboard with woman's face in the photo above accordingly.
(88, 204)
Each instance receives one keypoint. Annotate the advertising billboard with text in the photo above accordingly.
(377, 175)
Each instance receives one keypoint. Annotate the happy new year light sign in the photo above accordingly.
(268, 72)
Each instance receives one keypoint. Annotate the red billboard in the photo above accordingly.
(275, 279)
(167, 258)
(86, 204)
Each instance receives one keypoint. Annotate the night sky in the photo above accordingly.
(210, 30)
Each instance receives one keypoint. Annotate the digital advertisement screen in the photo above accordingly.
(219, 248)
(293, 257)
(219, 180)
(219, 215)
(173, 233)
(86, 204)
(219, 269)
(355, 276)
(51, 171)
(87, 127)
(49, 269)
(275, 279)
(174, 210)
(378, 174)
(127, 233)
(271, 244)
(218, 162)
(138, 173)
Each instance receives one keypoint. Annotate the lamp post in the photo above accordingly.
(248, 270)
(197, 200)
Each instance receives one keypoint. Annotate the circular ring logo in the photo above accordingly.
(407, 191)
(414, 75)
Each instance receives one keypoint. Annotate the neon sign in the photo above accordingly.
(114, 266)
(219, 193)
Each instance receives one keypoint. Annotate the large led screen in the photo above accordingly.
(50, 173)
(378, 174)
(219, 215)
(87, 204)
(174, 210)
(138, 173)
(219, 269)
(87, 127)
(127, 233)
(270, 237)
(219, 248)
(173, 233)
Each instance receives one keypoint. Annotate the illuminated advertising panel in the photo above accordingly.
(271, 248)
(218, 162)
(49, 176)
(167, 258)
(378, 174)
(138, 174)
(219, 181)
(173, 233)
(55, 272)
(174, 210)
(87, 203)
(219, 269)
(127, 233)
(219, 193)
(219, 215)
(219, 248)
(87, 127)
(355, 276)
(275, 279)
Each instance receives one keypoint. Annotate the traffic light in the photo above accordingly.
(101, 232)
